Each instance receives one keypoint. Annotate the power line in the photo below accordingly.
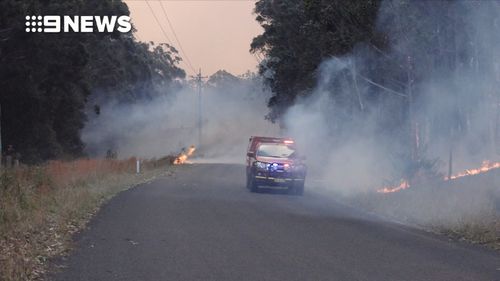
(177, 38)
(159, 24)
(257, 58)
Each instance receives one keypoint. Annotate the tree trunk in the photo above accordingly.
(411, 115)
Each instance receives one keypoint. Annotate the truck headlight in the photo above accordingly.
(261, 165)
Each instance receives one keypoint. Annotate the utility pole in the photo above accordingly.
(199, 79)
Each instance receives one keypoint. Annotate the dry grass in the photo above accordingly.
(463, 209)
(477, 233)
(41, 207)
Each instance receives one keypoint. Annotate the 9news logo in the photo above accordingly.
(86, 24)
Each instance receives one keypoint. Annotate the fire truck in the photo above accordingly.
(275, 162)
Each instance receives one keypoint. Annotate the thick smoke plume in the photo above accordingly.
(365, 143)
(359, 146)
(233, 109)
(356, 161)
(424, 105)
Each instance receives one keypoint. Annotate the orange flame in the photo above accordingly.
(485, 167)
(390, 189)
(184, 155)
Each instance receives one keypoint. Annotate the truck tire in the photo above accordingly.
(254, 187)
(297, 189)
(248, 182)
(251, 184)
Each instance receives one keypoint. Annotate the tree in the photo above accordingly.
(48, 79)
(299, 35)
(422, 70)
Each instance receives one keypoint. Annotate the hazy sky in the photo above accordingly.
(215, 34)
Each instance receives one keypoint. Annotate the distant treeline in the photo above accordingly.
(49, 81)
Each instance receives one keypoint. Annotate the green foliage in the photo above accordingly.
(47, 80)
(299, 35)
(410, 73)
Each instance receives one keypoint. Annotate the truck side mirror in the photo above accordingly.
(251, 154)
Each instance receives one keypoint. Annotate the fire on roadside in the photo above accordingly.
(485, 167)
(184, 155)
(390, 189)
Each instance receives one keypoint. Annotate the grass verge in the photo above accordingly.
(466, 209)
(42, 207)
(475, 233)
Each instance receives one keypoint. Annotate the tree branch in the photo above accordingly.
(382, 87)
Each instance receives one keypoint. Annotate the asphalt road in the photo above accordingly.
(202, 224)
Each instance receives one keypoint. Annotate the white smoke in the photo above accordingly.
(357, 164)
(364, 157)
(231, 113)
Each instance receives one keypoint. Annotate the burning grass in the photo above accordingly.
(464, 208)
(42, 206)
(485, 167)
(183, 157)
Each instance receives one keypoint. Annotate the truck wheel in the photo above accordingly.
(297, 189)
(251, 184)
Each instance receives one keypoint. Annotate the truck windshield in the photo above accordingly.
(276, 150)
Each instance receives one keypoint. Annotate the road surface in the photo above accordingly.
(202, 224)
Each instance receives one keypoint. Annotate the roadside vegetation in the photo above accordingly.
(41, 207)
(53, 84)
(397, 91)
(467, 209)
